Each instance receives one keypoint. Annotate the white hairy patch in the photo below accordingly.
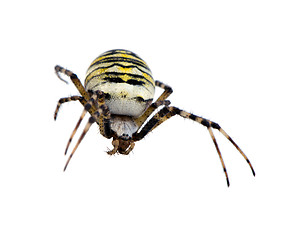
(123, 125)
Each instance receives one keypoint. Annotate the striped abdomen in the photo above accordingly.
(125, 79)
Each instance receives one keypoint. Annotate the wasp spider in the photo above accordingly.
(118, 94)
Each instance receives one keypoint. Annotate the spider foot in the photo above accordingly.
(112, 152)
(115, 143)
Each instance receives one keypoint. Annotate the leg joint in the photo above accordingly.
(205, 123)
(215, 125)
(164, 86)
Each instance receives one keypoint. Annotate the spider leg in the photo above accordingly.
(105, 116)
(91, 120)
(102, 115)
(159, 102)
(167, 90)
(87, 107)
(57, 70)
(115, 143)
(168, 112)
(220, 155)
(126, 152)
(76, 82)
(67, 99)
(237, 147)
(74, 79)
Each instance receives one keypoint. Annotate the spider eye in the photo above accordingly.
(125, 136)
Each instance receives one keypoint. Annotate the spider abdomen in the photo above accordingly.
(125, 79)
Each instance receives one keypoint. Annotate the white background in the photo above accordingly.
(228, 61)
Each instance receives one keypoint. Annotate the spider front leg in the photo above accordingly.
(76, 82)
(68, 99)
(74, 79)
(102, 116)
(87, 107)
(168, 112)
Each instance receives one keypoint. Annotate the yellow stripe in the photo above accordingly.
(97, 70)
(100, 72)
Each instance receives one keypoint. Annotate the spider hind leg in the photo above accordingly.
(168, 112)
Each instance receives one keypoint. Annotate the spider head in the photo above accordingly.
(123, 128)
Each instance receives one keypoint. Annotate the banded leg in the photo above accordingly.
(101, 113)
(168, 112)
(87, 107)
(67, 99)
(159, 102)
(104, 120)
(167, 90)
(76, 82)
(74, 79)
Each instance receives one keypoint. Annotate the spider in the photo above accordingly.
(118, 93)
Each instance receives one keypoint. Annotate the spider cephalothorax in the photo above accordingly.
(118, 94)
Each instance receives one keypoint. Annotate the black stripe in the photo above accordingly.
(134, 82)
(120, 65)
(119, 80)
(215, 125)
(205, 123)
(108, 76)
(114, 80)
(193, 117)
(121, 59)
(119, 74)
(140, 99)
(117, 51)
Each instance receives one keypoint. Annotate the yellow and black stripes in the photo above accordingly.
(125, 79)
(118, 66)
